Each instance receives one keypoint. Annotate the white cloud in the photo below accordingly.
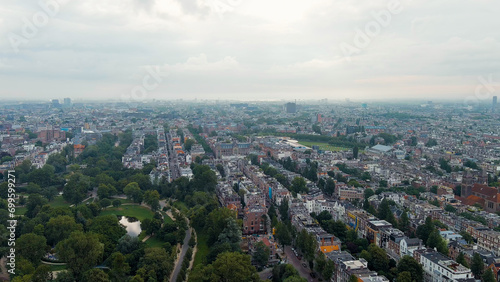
(275, 49)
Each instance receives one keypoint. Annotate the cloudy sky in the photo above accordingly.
(249, 49)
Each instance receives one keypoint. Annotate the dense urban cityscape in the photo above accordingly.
(250, 191)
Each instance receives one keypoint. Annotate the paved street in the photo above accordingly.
(265, 273)
(293, 260)
(185, 247)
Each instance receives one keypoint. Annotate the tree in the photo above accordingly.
(316, 128)
(299, 185)
(81, 251)
(152, 198)
(404, 276)
(65, 276)
(337, 228)
(368, 193)
(34, 205)
(283, 234)
(31, 247)
(385, 213)
(133, 192)
(423, 231)
(450, 208)
(461, 259)
(119, 267)
(436, 241)
(231, 233)
(42, 176)
(283, 209)
(188, 144)
(281, 272)
(109, 230)
(324, 215)
(404, 222)
(106, 191)
(49, 192)
(234, 267)
(116, 203)
(467, 237)
(96, 275)
(261, 254)
(76, 189)
(216, 222)
(104, 203)
(477, 265)
(204, 179)
(431, 143)
(156, 264)
(59, 228)
(378, 258)
(328, 271)
(353, 278)
(42, 273)
(488, 276)
(409, 264)
(329, 187)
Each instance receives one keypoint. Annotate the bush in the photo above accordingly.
(117, 203)
(104, 203)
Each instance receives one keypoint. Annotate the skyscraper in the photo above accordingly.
(67, 102)
(494, 104)
(290, 108)
(55, 103)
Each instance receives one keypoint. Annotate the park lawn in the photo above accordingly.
(167, 218)
(202, 248)
(58, 267)
(20, 211)
(323, 146)
(123, 201)
(59, 202)
(142, 235)
(154, 242)
(136, 211)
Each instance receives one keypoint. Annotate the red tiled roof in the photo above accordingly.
(490, 193)
(471, 200)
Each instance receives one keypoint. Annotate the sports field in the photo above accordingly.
(323, 146)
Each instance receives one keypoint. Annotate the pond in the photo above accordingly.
(132, 225)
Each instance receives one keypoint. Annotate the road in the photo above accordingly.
(265, 273)
(297, 264)
(185, 247)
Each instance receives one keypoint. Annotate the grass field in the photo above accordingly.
(202, 247)
(138, 212)
(59, 202)
(58, 267)
(167, 218)
(142, 235)
(20, 211)
(123, 201)
(323, 146)
(154, 242)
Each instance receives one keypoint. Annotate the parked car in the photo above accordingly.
(304, 264)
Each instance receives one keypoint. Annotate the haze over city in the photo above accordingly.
(249, 141)
(248, 50)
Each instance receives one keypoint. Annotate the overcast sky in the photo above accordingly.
(249, 49)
